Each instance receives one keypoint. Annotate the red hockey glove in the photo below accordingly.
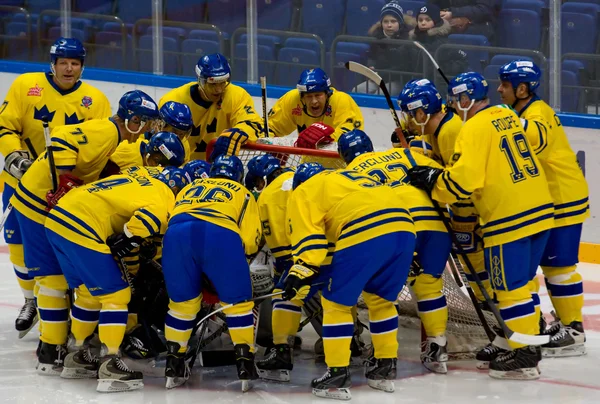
(317, 133)
(66, 182)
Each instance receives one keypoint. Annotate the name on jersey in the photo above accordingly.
(143, 181)
(506, 123)
(35, 91)
(229, 185)
(373, 161)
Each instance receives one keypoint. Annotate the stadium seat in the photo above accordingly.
(520, 29)
(579, 33)
(532, 5)
(357, 48)
(582, 8)
(491, 75)
(303, 43)
(501, 60)
(169, 32)
(131, 11)
(569, 101)
(109, 51)
(54, 33)
(341, 78)
(228, 15)
(93, 6)
(268, 40)
(240, 65)
(410, 7)
(275, 14)
(324, 18)
(144, 55)
(116, 27)
(37, 6)
(477, 58)
(297, 60)
(205, 34)
(83, 24)
(18, 49)
(587, 1)
(361, 15)
(192, 50)
(185, 10)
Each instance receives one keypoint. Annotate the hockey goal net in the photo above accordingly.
(465, 333)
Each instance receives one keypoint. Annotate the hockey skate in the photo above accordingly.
(519, 364)
(335, 384)
(82, 364)
(277, 364)
(567, 341)
(244, 361)
(177, 370)
(114, 376)
(491, 351)
(27, 318)
(434, 354)
(51, 359)
(380, 374)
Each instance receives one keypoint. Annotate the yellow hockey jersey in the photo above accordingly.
(129, 154)
(235, 110)
(89, 214)
(390, 167)
(345, 208)
(441, 142)
(220, 201)
(84, 149)
(33, 96)
(567, 184)
(341, 113)
(494, 165)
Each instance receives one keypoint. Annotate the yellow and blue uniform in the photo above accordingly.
(31, 97)
(235, 110)
(362, 218)
(130, 154)
(570, 195)
(77, 229)
(494, 165)
(204, 239)
(433, 242)
(342, 113)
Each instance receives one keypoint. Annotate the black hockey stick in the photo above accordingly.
(50, 153)
(437, 67)
(263, 87)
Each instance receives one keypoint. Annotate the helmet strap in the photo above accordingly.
(517, 99)
(422, 126)
(465, 111)
(142, 124)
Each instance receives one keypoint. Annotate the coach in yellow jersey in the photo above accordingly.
(219, 109)
(494, 165)
(60, 96)
(80, 153)
(569, 190)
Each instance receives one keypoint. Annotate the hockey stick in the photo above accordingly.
(50, 153)
(263, 87)
(376, 78)
(420, 46)
(7, 211)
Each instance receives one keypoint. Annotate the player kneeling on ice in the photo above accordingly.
(362, 218)
(214, 226)
(88, 229)
(433, 241)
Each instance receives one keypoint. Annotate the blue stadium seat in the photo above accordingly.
(579, 33)
(575, 66)
(109, 51)
(268, 40)
(205, 34)
(410, 7)
(491, 75)
(131, 11)
(302, 43)
(298, 60)
(240, 66)
(477, 58)
(83, 24)
(37, 6)
(582, 8)
(192, 50)
(357, 48)
(501, 60)
(533, 5)
(228, 15)
(169, 32)
(341, 78)
(569, 101)
(144, 55)
(324, 18)
(18, 49)
(14, 3)
(587, 1)
(54, 33)
(93, 6)
(185, 10)
(519, 29)
(116, 27)
(275, 14)
(361, 15)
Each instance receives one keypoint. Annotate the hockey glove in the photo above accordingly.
(465, 229)
(316, 134)
(298, 282)
(230, 142)
(120, 245)
(17, 163)
(66, 182)
(424, 177)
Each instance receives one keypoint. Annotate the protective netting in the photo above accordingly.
(465, 332)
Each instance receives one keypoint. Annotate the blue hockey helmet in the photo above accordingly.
(472, 84)
(167, 148)
(521, 71)
(305, 171)
(260, 167)
(175, 178)
(230, 167)
(425, 97)
(137, 103)
(213, 68)
(354, 143)
(178, 116)
(197, 169)
(68, 48)
(407, 89)
(314, 81)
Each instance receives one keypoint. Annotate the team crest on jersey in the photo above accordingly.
(328, 111)
(86, 102)
(297, 111)
(35, 91)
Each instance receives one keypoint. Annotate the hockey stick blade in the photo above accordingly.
(528, 339)
(365, 71)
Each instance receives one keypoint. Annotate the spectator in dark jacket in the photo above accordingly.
(475, 17)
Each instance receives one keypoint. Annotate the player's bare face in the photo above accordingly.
(507, 93)
(390, 25)
(213, 92)
(181, 134)
(315, 103)
(67, 72)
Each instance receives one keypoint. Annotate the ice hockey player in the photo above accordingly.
(197, 169)
(519, 81)
(88, 229)
(492, 162)
(318, 111)
(433, 242)
(80, 153)
(362, 218)
(214, 226)
(60, 96)
(219, 109)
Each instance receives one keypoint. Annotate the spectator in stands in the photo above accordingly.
(393, 24)
(475, 17)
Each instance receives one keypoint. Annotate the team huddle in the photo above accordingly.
(121, 226)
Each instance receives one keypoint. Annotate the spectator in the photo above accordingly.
(476, 17)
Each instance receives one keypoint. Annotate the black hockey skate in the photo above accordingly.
(177, 370)
(492, 350)
(82, 364)
(380, 374)
(519, 364)
(51, 359)
(277, 364)
(114, 375)
(567, 341)
(434, 354)
(27, 318)
(335, 384)
(244, 361)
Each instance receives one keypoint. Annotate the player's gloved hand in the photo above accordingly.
(66, 182)
(465, 229)
(424, 177)
(316, 134)
(148, 249)
(298, 282)
(229, 142)
(120, 245)
(16, 163)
